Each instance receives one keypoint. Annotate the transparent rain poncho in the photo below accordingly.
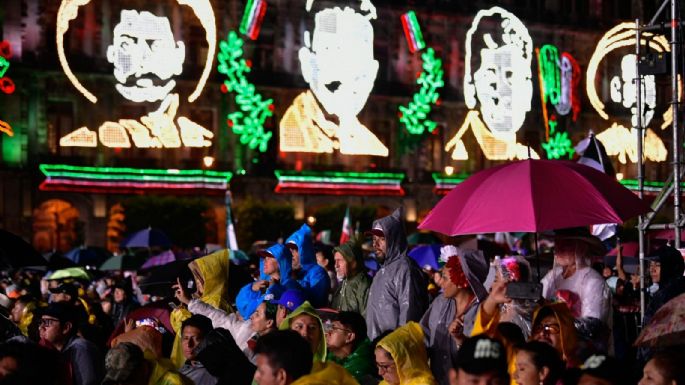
(583, 289)
(518, 311)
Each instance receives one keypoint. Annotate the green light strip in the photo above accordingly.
(449, 179)
(315, 179)
(634, 183)
(340, 174)
(84, 172)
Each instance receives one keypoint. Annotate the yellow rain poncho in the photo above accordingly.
(213, 271)
(408, 351)
(329, 373)
(320, 353)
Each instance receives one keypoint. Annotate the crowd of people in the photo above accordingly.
(313, 315)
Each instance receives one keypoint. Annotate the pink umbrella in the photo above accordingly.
(533, 196)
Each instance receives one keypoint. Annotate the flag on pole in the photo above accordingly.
(346, 233)
(231, 240)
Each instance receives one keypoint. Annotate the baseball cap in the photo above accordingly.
(481, 354)
(62, 311)
(65, 288)
(604, 367)
(121, 361)
(376, 230)
(291, 299)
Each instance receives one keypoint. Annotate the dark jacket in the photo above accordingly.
(398, 293)
(85, 360)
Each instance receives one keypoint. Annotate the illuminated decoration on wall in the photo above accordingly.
(132, 180)
(501, 86)
(146, 59)
(252, 18)
(412, 31)
(649, 186)
(617, 139)
(414, 116)
(337, 62)
(445, 183)
(6, 128)
(6, 84)
(339, 183)
(559, 79)
(253, 110)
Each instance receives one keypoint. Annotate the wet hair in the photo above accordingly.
(545, 356)
(511, 332)
(287, 350)
(355, 322)
(199, 321)
(670, 365)
(270, 311)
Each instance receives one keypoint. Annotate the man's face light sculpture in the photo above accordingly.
(623, 91)
(145, 56)
(338, 62)
(502, 84)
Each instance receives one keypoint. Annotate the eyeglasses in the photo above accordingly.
(384, 367)
(47, 322)
(330, 329)
(551, 329)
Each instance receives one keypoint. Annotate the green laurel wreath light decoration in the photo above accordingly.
(559, 144)
(248, 121)
(414, 116)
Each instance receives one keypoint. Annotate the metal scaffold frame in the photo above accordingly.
(672, 186)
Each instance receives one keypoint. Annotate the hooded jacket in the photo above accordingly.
(312, 277)
(248, 300)
(567, 329)
(214, 271)
(329, 373)
(398, 293)
(321, 351)
(353, 291)
(408, 351)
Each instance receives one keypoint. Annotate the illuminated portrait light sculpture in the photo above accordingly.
(338, 64)
(146, 58)
(498, 80)
(619, 140)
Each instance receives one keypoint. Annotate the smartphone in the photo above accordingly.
(524, 290)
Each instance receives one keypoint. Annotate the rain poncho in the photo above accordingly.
(398, 293)
(312, 277)
(442, 347)
(592, 291)
(214, 271)
(567, 330)
(353, 291)
(240, 329)
(320, 353)
(408, 351)
(248, 300)
(329, 373)
(360, 363)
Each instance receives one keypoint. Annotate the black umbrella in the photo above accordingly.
(160, 278)
(16, 253)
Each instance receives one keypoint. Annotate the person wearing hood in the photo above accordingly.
(312, 277)
(123, 301)
(572, 273)
(402, 359)
(353, 291)
(455, 310)
(126, 363)
(275, 279)
(398, 293)
(210, 274)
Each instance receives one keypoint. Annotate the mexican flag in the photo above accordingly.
(346, 233)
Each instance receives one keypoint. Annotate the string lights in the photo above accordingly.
(131, 180)
(339, 183)
(617, 139)
(146, 59)
(6, 84)
(501, 86)
(253, 110)
(252, 18)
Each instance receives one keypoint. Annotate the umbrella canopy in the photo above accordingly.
(122, 262)
(147, 238)
(426, 256)
(160, 278)
(667, 326)
(91, 256)
(78, 273)
(160, 310)
(166, 256)
(15, 252)
(422, 238)
(533, 196)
